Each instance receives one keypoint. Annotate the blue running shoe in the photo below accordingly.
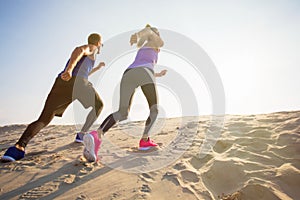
(79, 137)
(12, 154)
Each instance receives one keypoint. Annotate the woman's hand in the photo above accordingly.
(133, 39)
(160, 74)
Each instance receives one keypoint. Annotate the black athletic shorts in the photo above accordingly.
(63, 93)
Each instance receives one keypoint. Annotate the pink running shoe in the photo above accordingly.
(147, 145)
(92, 144)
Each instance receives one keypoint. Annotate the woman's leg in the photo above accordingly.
(127, 88)
(150, 93)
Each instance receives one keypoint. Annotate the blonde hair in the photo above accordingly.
(152, 28)
(94, 38)
(146, 34)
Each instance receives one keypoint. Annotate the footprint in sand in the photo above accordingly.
(146, 177)
(82, 197)
(18, 166)
(31, 160)
(46, 161)
(48, 188)
(145, 188)
(88, 167)
(41, 191)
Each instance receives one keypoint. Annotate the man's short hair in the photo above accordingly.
(94, 38)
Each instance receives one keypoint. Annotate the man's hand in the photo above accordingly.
(66, 76)
(101, 64)
(133, 39)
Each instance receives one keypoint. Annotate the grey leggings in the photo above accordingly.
(132, 79)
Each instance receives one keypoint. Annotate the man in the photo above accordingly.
(71, 84)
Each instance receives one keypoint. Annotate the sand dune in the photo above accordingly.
(252, 157)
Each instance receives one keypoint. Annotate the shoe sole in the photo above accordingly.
(146, 148)
(7, 159)
(78, 141)
(89, 148)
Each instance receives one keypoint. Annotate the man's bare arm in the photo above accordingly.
(101, 64)
(75, 57)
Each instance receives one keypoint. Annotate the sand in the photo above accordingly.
(247, 157)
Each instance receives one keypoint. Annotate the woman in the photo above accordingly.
(139, 74)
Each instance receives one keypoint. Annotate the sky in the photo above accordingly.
(253, 44)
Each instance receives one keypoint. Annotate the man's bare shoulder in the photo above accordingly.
(87, 49)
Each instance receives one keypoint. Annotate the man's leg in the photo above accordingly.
(93, 114)
(17, 152)
(57, 101)
(33, 128)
